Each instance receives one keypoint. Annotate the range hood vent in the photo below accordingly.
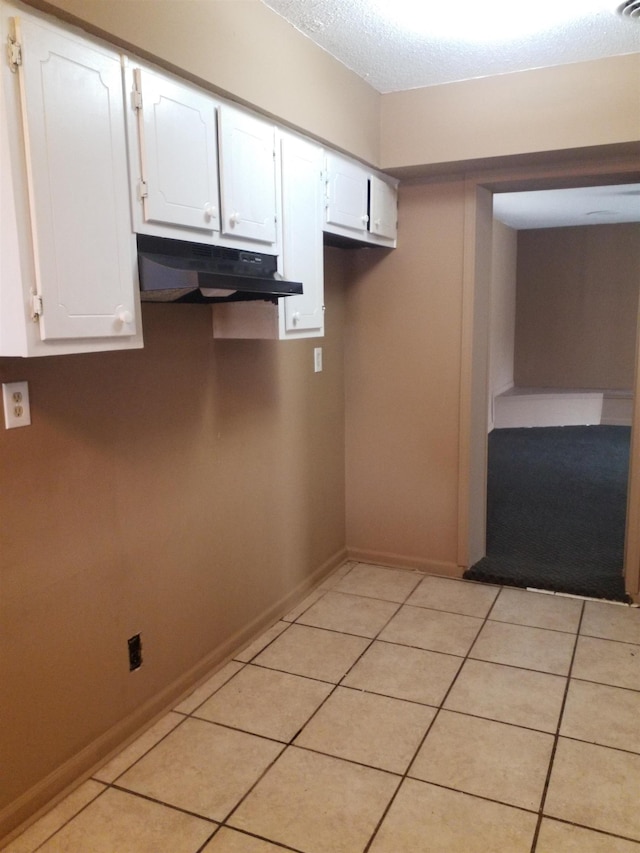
(180, 271)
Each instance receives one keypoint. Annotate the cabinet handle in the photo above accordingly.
(210, 211)
(125, 316)
(234, 218)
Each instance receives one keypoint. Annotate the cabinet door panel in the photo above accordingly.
(73, 117)
(384, 208)
(302, 233)
(178, 153)
(247, 176)
(346, 201)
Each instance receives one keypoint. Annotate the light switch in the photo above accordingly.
(317, 359)
(15, 397)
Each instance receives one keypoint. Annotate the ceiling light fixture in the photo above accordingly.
(630, 9)
(491, 20)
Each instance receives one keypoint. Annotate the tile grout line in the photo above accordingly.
(556, 739)
(604, 832)
(245, 832)
(339, 683)
(112, 785)
(405, 775)
(290, 743)
(68, 821)
(167, 805)
(285, 745)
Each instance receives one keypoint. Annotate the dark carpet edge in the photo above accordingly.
(485, 572)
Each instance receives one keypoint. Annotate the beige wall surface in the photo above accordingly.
(243, 49)
(588, 104)
(503, 308)
(403, 385)
(181, 491)
(577, 305)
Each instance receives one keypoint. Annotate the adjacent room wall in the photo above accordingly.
(503, 310)
(577, 304)
(183, 491)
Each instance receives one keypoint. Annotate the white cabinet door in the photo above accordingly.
(347, 194)
(302, 244)
(247, 176)
(384, 208)
(178, 152)
(73, 117)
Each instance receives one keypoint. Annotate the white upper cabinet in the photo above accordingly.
(346, 194)
(302, 244)
(299, 316)
(177, 158)
(65, 112)
(359, 204)
(383, 208)
(247, 177)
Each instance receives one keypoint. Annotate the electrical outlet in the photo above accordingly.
(15, 397)
(135, 652)
(317, 359)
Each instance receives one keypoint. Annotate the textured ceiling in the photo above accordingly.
(390, 57)
(360, 34)
(556, 208)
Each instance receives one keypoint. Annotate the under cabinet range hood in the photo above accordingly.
(180, 271)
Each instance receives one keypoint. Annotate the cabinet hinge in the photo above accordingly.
(143, 190)
(36, 307)
(14, 51)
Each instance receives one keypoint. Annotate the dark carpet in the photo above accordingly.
(556, 509)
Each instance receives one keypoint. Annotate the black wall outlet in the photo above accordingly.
(135, 652)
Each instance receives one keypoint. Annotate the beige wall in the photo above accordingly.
(243, 49)
(577, 303)
(570, 107)
(503, 308)
(403, 385)
(182, 491)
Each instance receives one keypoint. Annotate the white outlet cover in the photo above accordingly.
(15, 398)
(317, 359)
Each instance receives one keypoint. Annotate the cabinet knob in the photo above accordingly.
(125, 316)
(234, 218)
(365, 219)
(210, 211)
(376, 223)
(296, 318)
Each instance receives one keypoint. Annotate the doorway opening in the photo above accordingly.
(553, 508)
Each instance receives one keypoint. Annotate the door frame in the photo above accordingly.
(474, 386)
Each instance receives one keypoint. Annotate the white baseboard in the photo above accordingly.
(535, 407)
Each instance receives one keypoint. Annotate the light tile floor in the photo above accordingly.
(390, 712)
